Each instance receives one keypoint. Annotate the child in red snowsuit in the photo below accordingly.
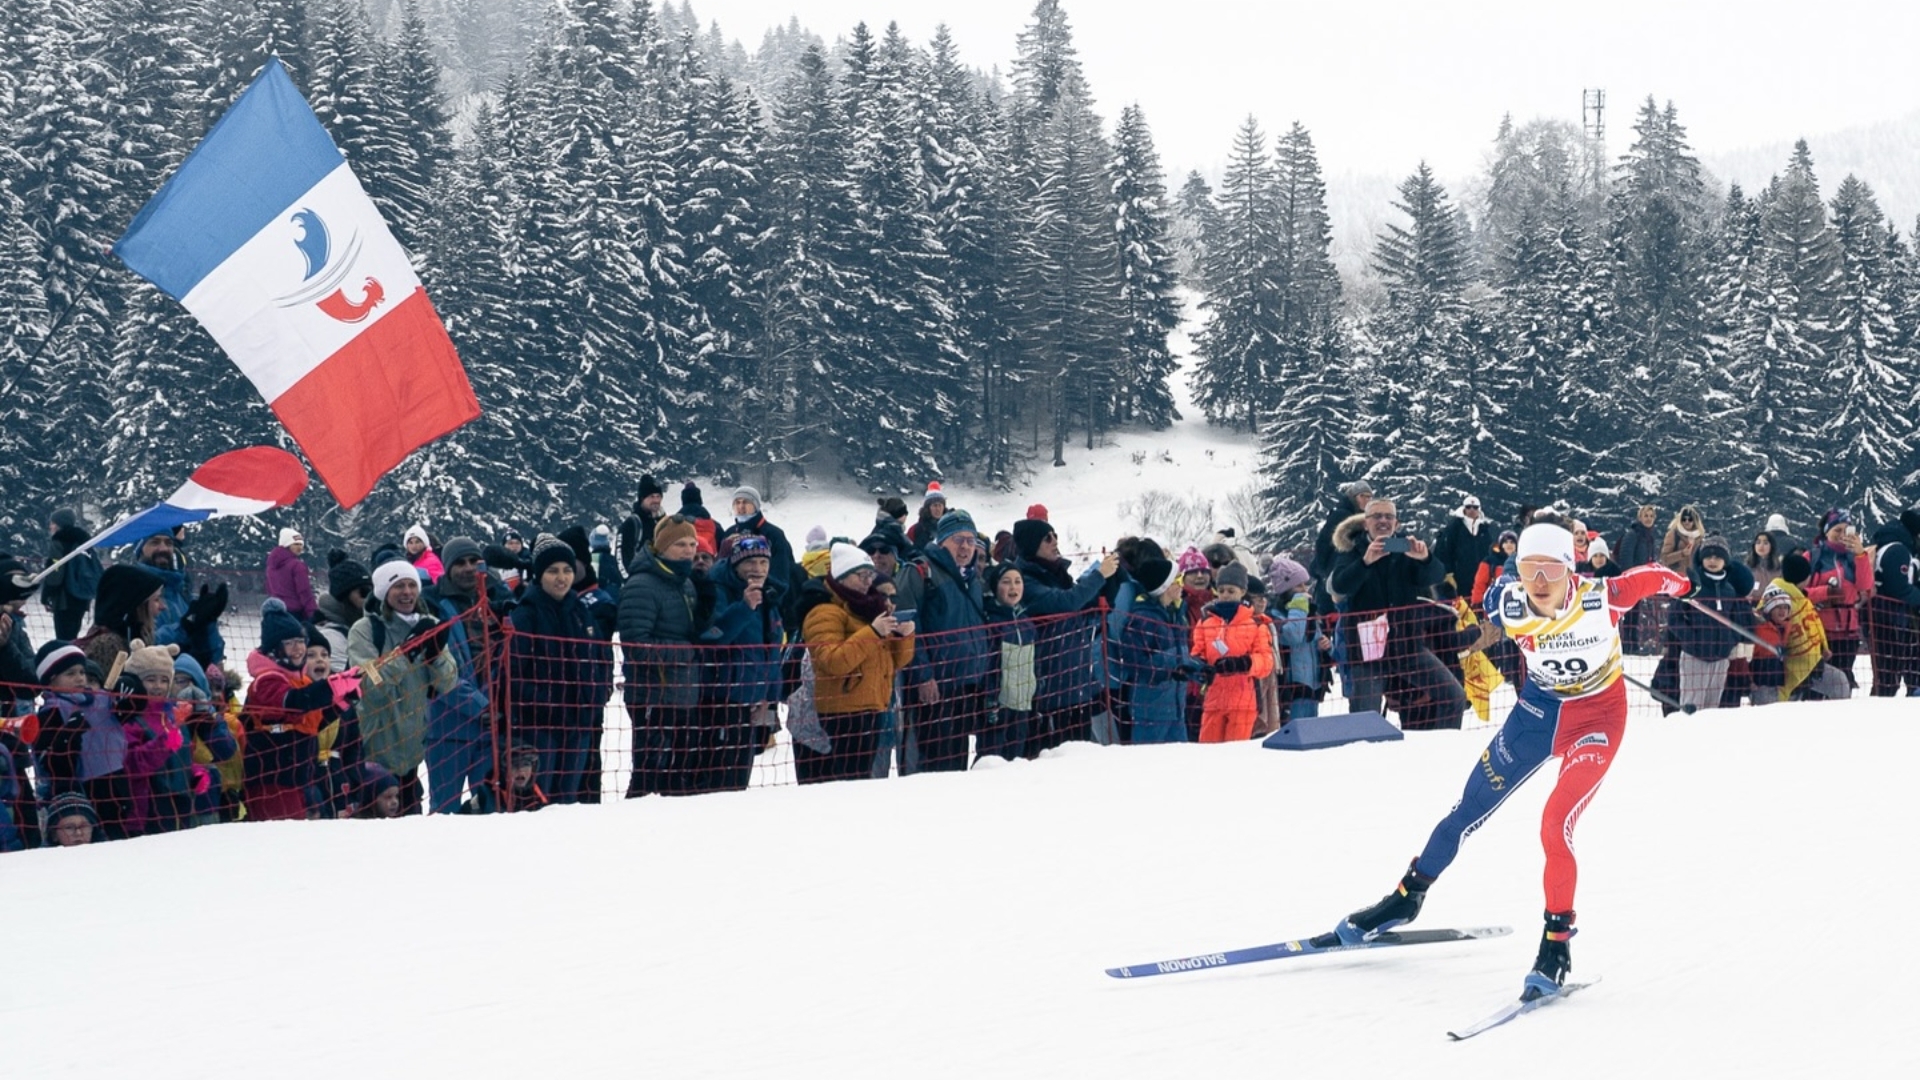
(1239, 651)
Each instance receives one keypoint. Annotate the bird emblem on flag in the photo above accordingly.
(324, 285)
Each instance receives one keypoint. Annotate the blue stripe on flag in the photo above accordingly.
(263, 154)
(156, 519)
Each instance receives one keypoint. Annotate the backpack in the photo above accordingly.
(83, 577)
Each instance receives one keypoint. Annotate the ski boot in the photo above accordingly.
(1555, 960)
(1397, 908)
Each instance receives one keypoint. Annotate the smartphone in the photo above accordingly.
(1396, 545)
(906, 614)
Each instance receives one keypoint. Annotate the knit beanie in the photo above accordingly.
(650, 487)
(740, 547)
(55, 657)
(1191, 560)
(1599, 547)
(1774, 597)
(1153, 576)
(69, 804)
(549, 550)
(65, 518)
(1714, 545)
(953, 523)
(344, 575)
(1037, 512)
(460, 547)
(278, 626)
(375, 780)
(601, 538)
(847, 559)
(934, 494)
(690, 495)
(155, 660)
(387, 573)
(1029, 534)
(290, 536)
(417, 531)
(1232, 574)
(749, 493)
(671, 531)
(1285, 575)
(816, 539)
(1356, 487)
(1795, 568)
(1777, 523)
(123, 588)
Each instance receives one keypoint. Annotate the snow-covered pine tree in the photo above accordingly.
(1194, 219)
(415, 116)
(64, 161)
(1149, 289)
(964, 166)
(906, 341)
(1667, 418)
(1434, 365)
(1794, 223)
(807, 310)
(1765, 351)
(1072, 322)
(1870, 437)
(719, 214)
(25, 430)
(1308, 447)
(1238, 345)
(242, 34)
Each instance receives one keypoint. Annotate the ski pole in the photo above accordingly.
(1729, 624)
(1660, 697)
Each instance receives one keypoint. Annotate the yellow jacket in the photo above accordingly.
(852, 666)
(1806, 638)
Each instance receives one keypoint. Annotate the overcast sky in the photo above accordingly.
(1383, 84)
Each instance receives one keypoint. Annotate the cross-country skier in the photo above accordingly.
(1573, 705)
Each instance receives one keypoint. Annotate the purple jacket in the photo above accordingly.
(289, 581)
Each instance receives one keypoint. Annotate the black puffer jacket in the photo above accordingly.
(1701, 635)
(662, 615)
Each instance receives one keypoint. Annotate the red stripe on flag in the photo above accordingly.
(388, 392)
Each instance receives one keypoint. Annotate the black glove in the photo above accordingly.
(1181, 673)
(426, 641)
(1233, 665)
(316, 695)
(206, 609)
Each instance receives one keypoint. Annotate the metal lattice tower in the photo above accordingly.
(1593, 114)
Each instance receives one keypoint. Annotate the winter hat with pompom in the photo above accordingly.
(290, 536)
(847, 559)
(549, 550)
(816, 539)
(278, 626)
(1191, 560)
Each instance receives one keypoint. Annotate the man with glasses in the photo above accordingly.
(189, 621)
(1573, 705)
(1378, 573)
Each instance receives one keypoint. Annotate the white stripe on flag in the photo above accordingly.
(264, 309)
(192, 496)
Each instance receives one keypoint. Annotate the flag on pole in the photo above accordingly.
(238, 482)
(266, 236)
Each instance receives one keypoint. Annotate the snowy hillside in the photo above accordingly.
(957, 925)
(1097, 497)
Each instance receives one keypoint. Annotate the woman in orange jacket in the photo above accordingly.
(856, 645)
(1239, 651)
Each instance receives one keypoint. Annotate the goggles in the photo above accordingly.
(748, 544)
(1548, 570)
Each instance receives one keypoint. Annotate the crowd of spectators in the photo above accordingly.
(447, 676)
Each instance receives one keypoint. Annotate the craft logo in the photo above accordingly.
(324, 285)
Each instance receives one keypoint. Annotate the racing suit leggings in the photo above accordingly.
(1583, 733)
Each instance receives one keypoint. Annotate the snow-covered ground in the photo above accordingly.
(1740, 868)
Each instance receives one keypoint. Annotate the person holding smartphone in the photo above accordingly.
(1375, 571)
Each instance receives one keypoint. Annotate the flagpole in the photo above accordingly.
(25, 582)
(52, 331)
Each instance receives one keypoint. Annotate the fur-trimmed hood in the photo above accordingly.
(1347, 534)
